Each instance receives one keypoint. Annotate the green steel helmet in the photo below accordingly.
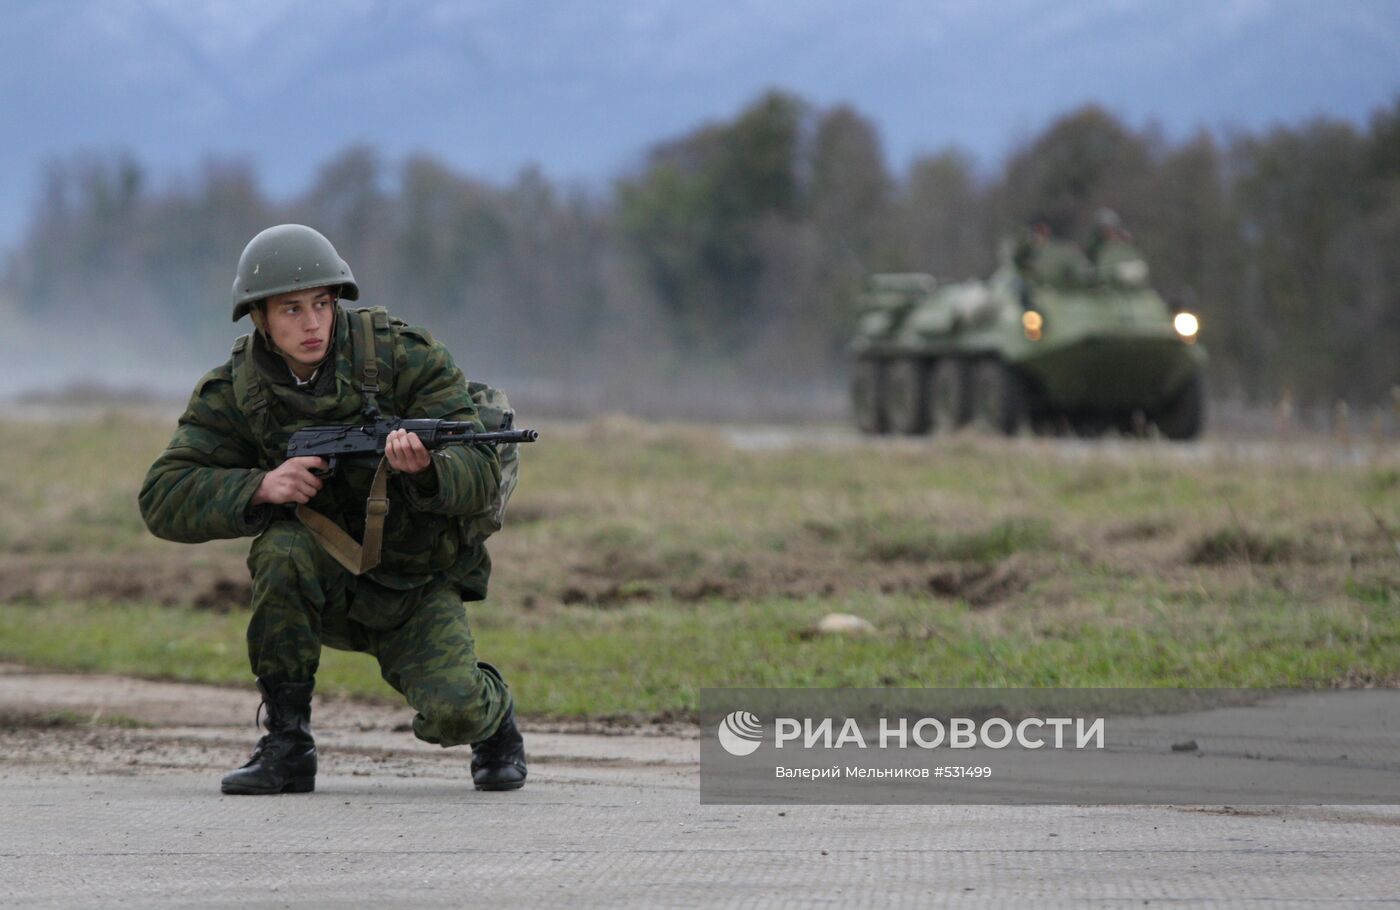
(286, 258)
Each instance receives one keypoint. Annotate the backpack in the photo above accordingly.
(495, 413)
(372, 329)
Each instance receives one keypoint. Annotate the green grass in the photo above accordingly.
(648, 661)
(906, 539)
(642, 563)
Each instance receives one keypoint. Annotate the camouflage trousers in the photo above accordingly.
(303, 599)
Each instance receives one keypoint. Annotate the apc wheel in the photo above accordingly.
(868, 397)
(1185, 415)
(906, 395)
(950, 404)
(998, 398)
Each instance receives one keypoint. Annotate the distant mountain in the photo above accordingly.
(583, 88)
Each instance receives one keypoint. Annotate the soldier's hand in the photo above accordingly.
(291, 481)
(406, 452)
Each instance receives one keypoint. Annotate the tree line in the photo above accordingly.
(734, 250)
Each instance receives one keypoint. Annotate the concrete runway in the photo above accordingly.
(102, 814)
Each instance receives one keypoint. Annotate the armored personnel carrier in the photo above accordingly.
(1052, 341)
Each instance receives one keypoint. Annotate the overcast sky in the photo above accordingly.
(582, 88)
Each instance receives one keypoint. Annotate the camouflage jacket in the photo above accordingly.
(201, 487)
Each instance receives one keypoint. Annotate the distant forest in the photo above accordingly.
(733, 251)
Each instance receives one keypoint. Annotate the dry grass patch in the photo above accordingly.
(651, 559)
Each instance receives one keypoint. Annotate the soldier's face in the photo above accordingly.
(300, 323)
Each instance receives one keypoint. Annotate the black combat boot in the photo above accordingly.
(498, 762)
(284, 760)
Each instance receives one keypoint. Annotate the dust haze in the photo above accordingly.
(715, 278)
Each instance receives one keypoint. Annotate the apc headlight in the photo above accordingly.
(1187, 326)
(1033, 323)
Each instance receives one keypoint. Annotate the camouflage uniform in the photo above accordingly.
(407, 612)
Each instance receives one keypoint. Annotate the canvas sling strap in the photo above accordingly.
(359, 558)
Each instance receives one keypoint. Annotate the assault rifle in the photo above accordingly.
(365, 444)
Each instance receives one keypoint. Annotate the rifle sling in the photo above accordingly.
(365, 350)
(356, 558)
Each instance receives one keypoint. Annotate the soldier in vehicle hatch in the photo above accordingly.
(312, 362)
(1112, 253)
(1042, 258)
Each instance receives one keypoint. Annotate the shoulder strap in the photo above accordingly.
(372, 343)
(248, 388)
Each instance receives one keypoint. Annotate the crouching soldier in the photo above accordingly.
(399, 596)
